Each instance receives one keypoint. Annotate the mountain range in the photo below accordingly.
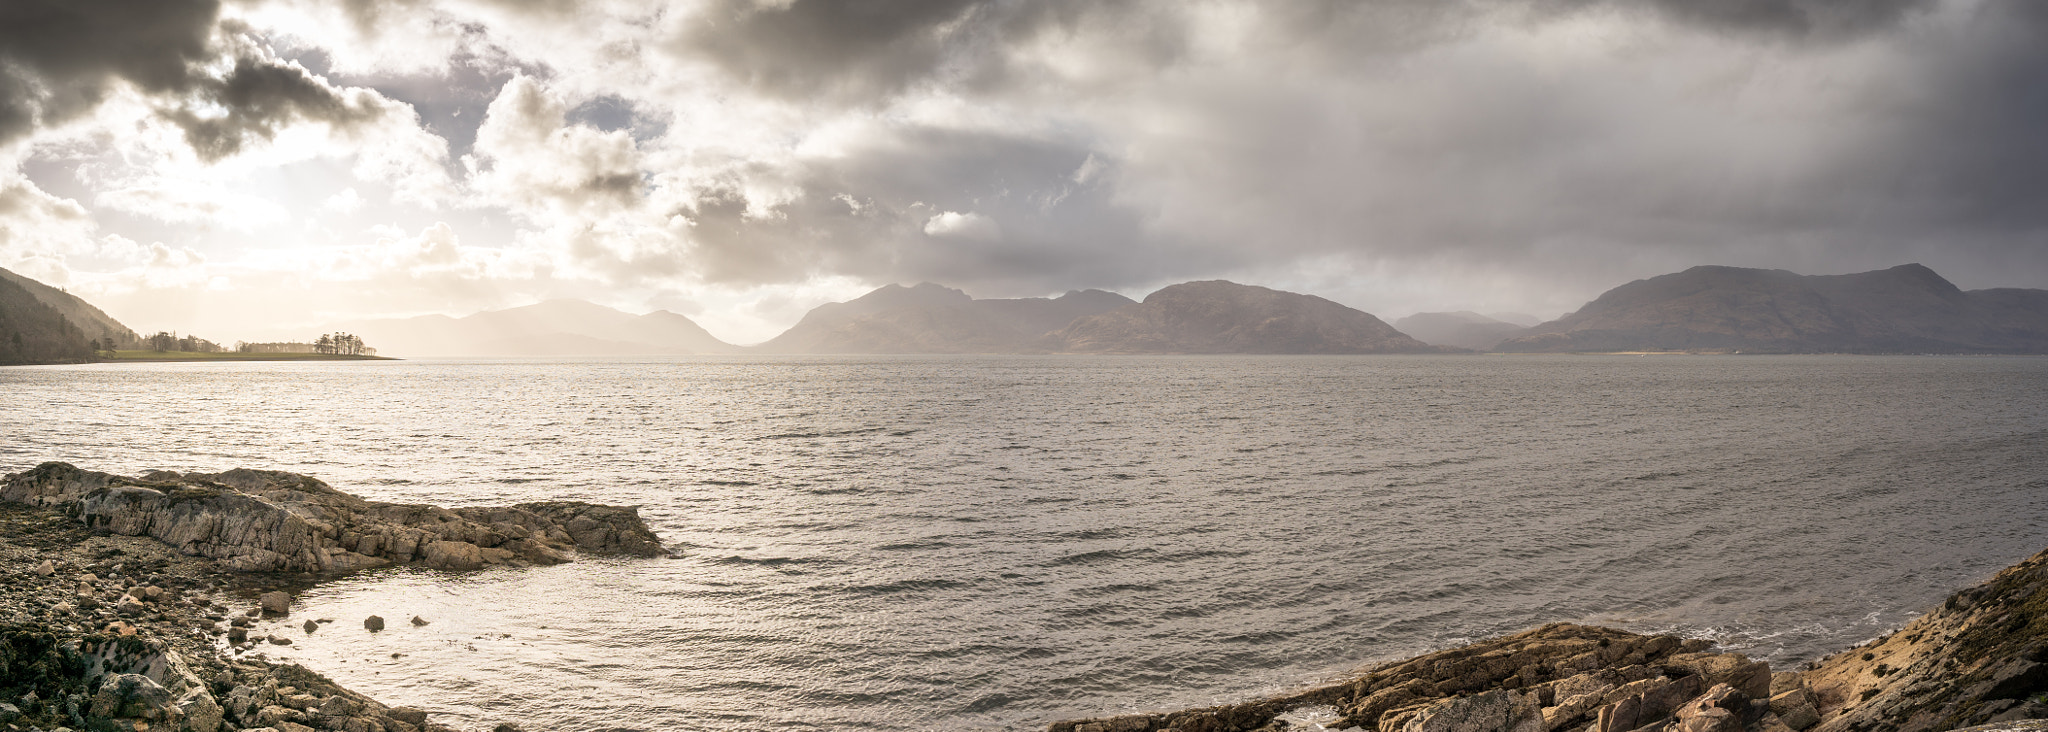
(930, 318)
(550, 328)
(1226, 317)
(1905, 309)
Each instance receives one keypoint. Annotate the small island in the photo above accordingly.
(165, 346)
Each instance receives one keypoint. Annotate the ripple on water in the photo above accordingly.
(992, 543)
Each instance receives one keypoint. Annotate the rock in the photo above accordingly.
(46, 569)
(278, 640)
(1752, 678)
(418, 621)
(311, 626)
(1500, 710)
(153, 593)
(8, 713)
(276, 601)
(337, 706)
(1720, 709)
(256, 520)
(457, 555)
(238, 635)
(373, 623)
(1794, 709)
(132, 697)
(1785, 681)
(409, 715)
(508, 727)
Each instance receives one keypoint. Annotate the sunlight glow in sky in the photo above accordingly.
(256, 169)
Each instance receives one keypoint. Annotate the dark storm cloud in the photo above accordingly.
(60, 58)
(259, 98)
(1793, 18)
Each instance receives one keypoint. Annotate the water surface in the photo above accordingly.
(996, 542)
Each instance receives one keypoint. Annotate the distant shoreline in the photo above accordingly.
(185, 356)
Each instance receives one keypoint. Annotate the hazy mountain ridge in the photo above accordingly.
(1904, 309)
(1217, 316)
(929, 318)
(550, 328)
(1462, 329)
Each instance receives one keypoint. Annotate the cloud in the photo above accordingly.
(1397, 151)
(37, 225)
(60, 60)
(529, 159)
(967, 226)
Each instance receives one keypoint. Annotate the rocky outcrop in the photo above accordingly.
(123, 634)
(1557, 677)
(262, 520)
(1981, 659)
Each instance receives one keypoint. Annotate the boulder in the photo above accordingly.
(46, 569)
(409, 715)
(373, 623)
(125, 699)
(1752, 678)
(1795, 709)
(458, 555)
(276, 601)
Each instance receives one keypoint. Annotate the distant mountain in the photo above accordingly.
(1226, 317)
(89, 320)
(552, 328)
(1905, 309)
(33, 332)
(929, 318)
(1463, 329)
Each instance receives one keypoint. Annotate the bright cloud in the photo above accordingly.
(748, 160)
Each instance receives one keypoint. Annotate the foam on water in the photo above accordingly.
(995, 542)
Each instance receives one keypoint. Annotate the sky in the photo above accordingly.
(254, 169)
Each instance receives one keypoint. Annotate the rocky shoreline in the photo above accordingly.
(128, 603)
(1978, 662)
(132, 603)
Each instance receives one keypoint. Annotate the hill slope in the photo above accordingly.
(90, 320)
(1905, 309)
(1226, 317)
(929, 318)
(33, 332)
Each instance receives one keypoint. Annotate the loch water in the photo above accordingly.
(984, 542)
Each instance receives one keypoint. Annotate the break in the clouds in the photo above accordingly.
(198, 165)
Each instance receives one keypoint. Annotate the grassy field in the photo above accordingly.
(232, 356)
